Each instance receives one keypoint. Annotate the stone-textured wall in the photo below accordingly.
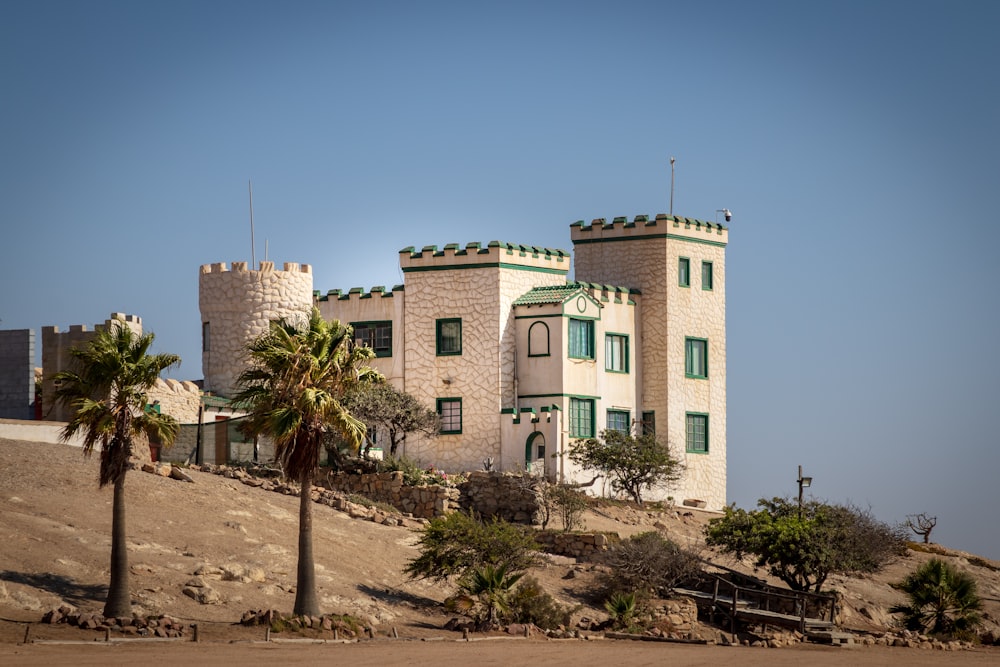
(17, 374)
(238, 306)
(477, 284)
(582, 546)
(644, 254)
(180, 400)
(56, 357)
(425, 501)
(512, 497)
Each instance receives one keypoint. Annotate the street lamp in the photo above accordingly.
(804, 482)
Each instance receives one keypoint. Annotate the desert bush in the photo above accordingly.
(532, 604)
(454, 544)
(942, 599)
(649, 564)
(622, 609)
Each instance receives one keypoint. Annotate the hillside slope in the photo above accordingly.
(55, 529)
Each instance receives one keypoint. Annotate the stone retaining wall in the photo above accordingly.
(510, 496)
(582, 546)
(424, 502)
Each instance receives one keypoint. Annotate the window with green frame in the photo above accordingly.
(696, 357)
(649, 422)
(376, 335)
(616, 353)
(684, 272)
(581, 418)
(449, 336)
(706, 276)
(619, 420)
(581, 339)
(450, 411)
(697, 433)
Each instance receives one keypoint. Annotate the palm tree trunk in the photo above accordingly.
(306, 603)
(119, 601)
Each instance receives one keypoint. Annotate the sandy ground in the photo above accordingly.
(54, 549)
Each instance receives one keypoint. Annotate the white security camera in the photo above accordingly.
(729, 214)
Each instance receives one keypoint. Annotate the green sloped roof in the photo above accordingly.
(547, 294)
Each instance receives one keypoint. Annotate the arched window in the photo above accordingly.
(538, 340)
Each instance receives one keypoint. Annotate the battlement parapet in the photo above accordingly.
(265, 267)
(642, 227)
(493, 254)
(133, 322)
(610, 293)
(357, 293)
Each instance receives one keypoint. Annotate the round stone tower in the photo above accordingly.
(237, 305)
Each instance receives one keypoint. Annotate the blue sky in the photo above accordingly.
(855, 143)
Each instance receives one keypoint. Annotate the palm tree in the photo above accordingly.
(107, 389)
(943, 600)
(293, 391)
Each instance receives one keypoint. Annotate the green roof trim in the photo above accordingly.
(644, 220)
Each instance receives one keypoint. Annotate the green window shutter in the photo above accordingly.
(619, 420)
(696, 440)
(449, 336)
(581, 418)
(706, 276)
(581, 339)
(616, 353)
(696, 357)
(450, 411)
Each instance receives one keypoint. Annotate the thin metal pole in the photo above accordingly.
(253, 250)
(672, 160)
(800, 492)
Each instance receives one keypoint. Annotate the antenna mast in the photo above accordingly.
(672, 160)
(253, 251)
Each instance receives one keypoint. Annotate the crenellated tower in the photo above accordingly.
(237, 306)
(679, 266)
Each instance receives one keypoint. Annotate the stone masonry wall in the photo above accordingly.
(509, 496)
(425, 502)
(17, 374)
(238, 306)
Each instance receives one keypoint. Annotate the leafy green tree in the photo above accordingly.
(457, 543)
(107, 389)
(943, 599)
(632, 462)
(293, 390)
(804, 548)
(397, 413)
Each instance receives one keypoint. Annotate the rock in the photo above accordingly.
(177, 473)
(202, 594)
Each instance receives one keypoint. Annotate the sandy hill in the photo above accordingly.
(241, 541)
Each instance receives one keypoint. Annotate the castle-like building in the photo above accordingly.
(517, 360)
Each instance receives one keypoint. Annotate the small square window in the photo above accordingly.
(450, 411)
(706, 276)
(697, 433)
(449, 336)
(616, 353)
(376, 335)
(696, 357)
(581, 418)
(684, 272)
(581, 339)
(619, 420)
